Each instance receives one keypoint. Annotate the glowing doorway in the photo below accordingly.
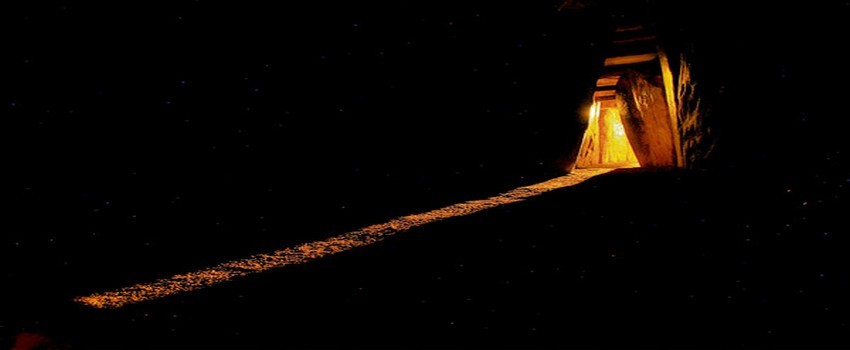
(605, 143)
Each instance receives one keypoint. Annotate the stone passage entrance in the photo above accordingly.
(632, 119)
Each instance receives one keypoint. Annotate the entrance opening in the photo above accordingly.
(605, 143)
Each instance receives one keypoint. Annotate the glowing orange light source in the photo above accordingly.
(593, 109)
(619, 130)
(605, 142)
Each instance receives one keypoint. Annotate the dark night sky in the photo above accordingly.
(193, 117)
(134, 133)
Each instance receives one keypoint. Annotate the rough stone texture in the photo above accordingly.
(588, 156)
(645, 116)
(696, 137)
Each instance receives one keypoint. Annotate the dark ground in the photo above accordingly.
(143, 140)
(626, 259)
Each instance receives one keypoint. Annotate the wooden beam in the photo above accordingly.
(608, 81)
(631, 59)
(608, 104)
(604, 95)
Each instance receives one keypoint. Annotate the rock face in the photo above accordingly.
(589, 151)
(642, 105)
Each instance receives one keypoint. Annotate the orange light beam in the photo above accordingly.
(187, 282)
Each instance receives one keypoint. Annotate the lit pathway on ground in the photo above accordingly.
(227, 271)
